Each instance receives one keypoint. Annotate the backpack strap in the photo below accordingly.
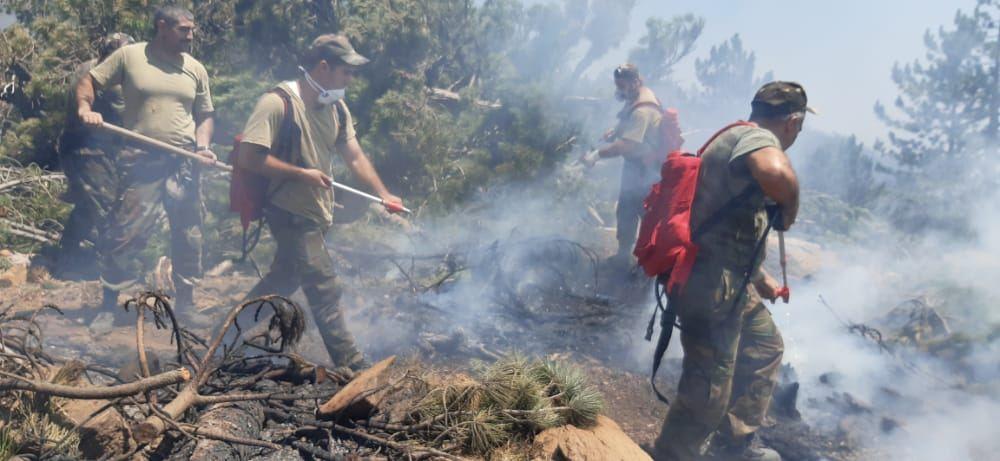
(288, 133)
(723, 130)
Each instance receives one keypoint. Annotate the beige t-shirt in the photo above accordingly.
(322, 134)
(638, 122)
(161, 96)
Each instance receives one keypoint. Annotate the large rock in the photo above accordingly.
(605, 441)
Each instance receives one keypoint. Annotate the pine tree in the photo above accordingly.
(664, 45)
(948, 104)
(728, 78)
(944, 124)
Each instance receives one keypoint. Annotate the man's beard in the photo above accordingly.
(626, 95)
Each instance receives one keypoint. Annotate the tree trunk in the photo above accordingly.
(237, 419)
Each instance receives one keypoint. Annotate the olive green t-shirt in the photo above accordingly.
(638, 122)
(323, 133)
(161, 95)
(722, 177)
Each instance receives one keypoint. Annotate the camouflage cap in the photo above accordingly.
(780, 98)
(337, 45)
(112, 42)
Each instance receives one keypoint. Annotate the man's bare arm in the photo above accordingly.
(204, 127)
(772, 170)
(85, 101)
(362, 168)
(256, 158)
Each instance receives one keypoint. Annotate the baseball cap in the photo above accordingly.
(627, 71)
(780, 98)
(337, 45)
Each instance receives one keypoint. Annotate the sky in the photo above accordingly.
(842, 51)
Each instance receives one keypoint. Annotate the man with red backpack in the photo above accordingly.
(732, 348)
(290, 139)
(639, 139)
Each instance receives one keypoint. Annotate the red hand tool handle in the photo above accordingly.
(393, 207)
(784, 293)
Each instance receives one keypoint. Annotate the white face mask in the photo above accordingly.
(326, 97)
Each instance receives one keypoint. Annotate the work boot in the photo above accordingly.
(748, 449)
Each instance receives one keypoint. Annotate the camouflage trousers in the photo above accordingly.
(148, 183)
(92, 184)
(731, 358)
(302, 261)
(635, 183)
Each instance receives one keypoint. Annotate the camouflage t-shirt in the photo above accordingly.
(724, 176)
(161, 95)
(323, 133)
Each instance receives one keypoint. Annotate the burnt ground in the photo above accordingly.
(410, 308)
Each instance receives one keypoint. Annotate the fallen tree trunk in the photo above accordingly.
(237, 419)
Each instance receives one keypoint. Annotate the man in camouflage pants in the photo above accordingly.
(167, 97)
(732, 348)
(298, 160)
(87, 159)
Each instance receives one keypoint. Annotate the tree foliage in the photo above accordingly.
(949, 104)
(728, 77)
(944, 124)
(440, 149)
(665, 44)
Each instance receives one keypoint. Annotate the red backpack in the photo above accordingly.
(664, 247)
(247, 189)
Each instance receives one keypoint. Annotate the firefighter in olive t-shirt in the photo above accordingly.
(299, 208)
(732, 348)
(167, 98)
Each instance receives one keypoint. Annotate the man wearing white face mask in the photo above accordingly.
(296, 155)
